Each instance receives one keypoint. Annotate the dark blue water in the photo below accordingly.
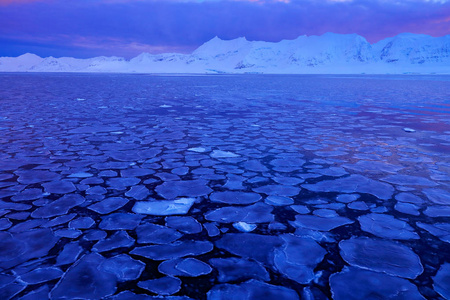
(224, 187)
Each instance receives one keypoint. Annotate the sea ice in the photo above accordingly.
(244, 245)
(230, 197)
(319, 223)
(356, 284)
(235, 269)
(156, 234)
(441, 281)
(173, 250)
(164, 207)
(108, 205)
(84, 280)
(256, 213)
(186, 224)
(252, 289)
(381, 256)
(298, 257)
(161, 286)
(185, 188)
(123, 266)
(353, 184)
(58, 207)
(386, 226)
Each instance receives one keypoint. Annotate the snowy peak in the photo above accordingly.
(328, 53)
(414, 49)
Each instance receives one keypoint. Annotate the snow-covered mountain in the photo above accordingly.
(330, 53)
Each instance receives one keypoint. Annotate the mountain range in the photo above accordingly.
(326, 54)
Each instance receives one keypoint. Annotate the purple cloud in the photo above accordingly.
(128, 27)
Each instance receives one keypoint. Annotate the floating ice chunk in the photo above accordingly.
(186, 267)
(156, 234)
(365, 166)
(197, 149)
(255, 166)
(35, 176)
(185, 224)
(120, 221)
(94, 235)
(325, 213)
(185, 188)
(108, 205)
(278, 190)
(58, 207)
(441, 281)
(164, 207)
(437, 211)
(138, 192)
(234, 269)
(244, 245)
(212, 229)
(223, 154)
(298, 257)
(252, 289)
(80, 175)
(319, 223)
(440, 230)
(95, 283)
(278, 200)
(69, 254)
(410, 130)
(408, 180)
(256, 213)
(82, 223)
(355, 284)
(68, 233)
(40, 275)
(438, 196)
(353, 184)
(347, 198)
(407, 208)
(410, 198)
(358, 205)
(381, 256)
(162, 286)
(174, 250)
(28, 194)
(386, 226)
(230, 197)
(123, 266)
(118, 240)
(193, 267)
(244, 227)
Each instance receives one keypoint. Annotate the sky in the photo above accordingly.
(126, 28)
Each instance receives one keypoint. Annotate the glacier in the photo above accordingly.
(330, 53)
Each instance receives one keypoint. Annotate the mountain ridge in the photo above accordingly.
(329, 53)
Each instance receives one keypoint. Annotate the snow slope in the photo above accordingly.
(330, 53)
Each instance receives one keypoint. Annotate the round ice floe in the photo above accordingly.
(250, 290)
(234, 269)
(386, 226)
(186, 224)
(162, 286)
(381, 256)
(123, 266)
(230, 197)
(356, 284)
(298, 257)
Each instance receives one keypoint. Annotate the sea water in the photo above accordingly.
(224, 186)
